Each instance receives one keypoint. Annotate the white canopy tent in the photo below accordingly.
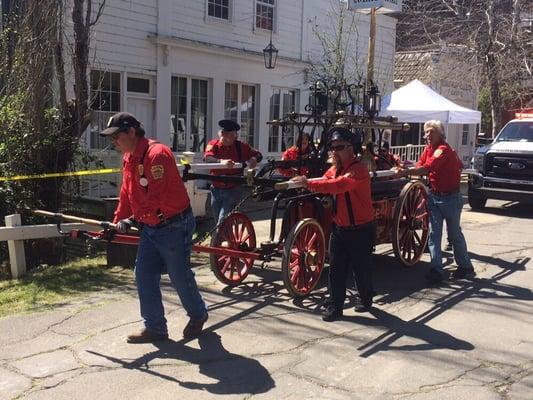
(418, 103)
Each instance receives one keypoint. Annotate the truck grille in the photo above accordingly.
(509, 166)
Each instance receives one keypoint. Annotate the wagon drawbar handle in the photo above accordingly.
(293, 185)
(73, 218)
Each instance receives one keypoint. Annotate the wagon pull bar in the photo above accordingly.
(88, 221)
(209, 166)
(293, 185)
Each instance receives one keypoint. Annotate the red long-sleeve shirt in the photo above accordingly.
(354, 180)
(390, 161)
(215, 149)
(292, 153)
(165, 192)
(444, 167)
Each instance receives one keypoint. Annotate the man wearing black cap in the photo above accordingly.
(153, 196)
(352, 236)
(385, 159)
(228, 150)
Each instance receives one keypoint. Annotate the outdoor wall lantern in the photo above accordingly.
(270, 53)
(372, 102)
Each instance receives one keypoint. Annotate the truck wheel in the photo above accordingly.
(476, 200)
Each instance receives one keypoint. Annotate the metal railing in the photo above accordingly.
(411, 152)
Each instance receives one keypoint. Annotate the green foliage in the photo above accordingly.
(39, 128)
(510, 95)
(484, 106)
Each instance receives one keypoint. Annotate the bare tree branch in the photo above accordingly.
(98, 14)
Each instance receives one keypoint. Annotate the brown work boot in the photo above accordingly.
(146, 336)
(194, 327)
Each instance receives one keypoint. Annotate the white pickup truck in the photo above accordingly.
(503, 170)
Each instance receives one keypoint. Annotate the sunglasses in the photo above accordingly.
(114, 136)
(339, 147)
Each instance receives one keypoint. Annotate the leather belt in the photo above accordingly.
(172, 219)
(444, 193)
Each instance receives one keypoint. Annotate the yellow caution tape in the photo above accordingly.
(61, 174)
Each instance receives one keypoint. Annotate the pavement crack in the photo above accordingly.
(317, 382)
(436, 386)
(502, 387)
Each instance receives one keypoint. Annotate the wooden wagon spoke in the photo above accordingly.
(312, 241)
(418, 238)
(227, 264)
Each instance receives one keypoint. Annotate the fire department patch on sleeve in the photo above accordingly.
(140, 168)
(157, 171)
(437, 153)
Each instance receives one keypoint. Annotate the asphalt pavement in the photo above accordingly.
(459, 340)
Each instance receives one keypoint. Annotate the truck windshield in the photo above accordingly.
(517, 132)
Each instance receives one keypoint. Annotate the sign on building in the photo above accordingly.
(382, 6)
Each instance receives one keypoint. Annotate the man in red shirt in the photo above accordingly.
(228, 150)
(154, 197)
(445, 201)
(353, 234)
(385, 159)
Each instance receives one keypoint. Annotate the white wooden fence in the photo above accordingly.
(14, 233)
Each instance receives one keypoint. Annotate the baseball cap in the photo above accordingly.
(119, 122)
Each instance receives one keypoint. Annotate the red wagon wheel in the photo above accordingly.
(410, 225)
(235, 232)
(303, 257)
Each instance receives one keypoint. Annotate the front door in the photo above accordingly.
(143, 109)
(188, 119)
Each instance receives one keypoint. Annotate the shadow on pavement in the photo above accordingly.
(508, 209)
(396, 288)
(393, 283)
(234, 374)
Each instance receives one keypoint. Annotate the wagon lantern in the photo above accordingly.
(372, 103)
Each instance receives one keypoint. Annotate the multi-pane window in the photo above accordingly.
(178, 116)
(466, 130)
(218, 9)
(231, 101)
(188, 119)
(198, 115)
(105, 101)
(264, 14)
(239, 106)
(282, 102)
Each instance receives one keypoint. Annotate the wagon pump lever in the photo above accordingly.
(59, 217)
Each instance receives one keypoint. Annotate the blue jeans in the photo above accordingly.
(447, 208)
(223, 200)
(167, 248)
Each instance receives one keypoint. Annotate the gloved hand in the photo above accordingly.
(124, 224)
(107, 234)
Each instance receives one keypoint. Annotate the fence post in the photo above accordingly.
(17, 258)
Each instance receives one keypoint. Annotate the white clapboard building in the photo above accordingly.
(182, 65)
